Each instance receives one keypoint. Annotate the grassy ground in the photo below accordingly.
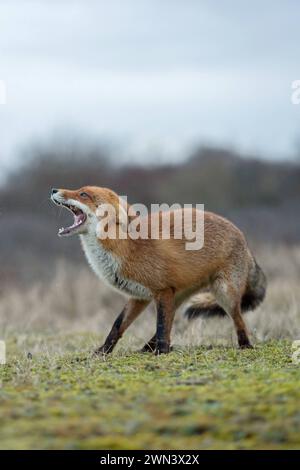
(206, 394)
(200, 397)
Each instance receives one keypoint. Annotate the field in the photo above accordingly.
(206, 394)
(196, 398)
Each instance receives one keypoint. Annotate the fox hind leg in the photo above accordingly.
(229, 297)
(240, 327)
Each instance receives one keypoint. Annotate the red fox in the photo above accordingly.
(222, 278)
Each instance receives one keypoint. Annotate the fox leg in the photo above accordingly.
(165, 315)
(150, 346)
(240, 327)
(131, 311)
(230, 300)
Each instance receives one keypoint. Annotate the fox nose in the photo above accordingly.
(54, 191)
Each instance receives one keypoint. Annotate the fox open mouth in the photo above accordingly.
(79, 219)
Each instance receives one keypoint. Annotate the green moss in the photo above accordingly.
(220, 398)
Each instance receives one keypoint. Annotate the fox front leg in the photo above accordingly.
(150, 346)
(131, 311)
(165, 315)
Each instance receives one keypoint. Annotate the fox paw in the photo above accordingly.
(246, 346)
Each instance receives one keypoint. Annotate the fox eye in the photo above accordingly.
(85, 195)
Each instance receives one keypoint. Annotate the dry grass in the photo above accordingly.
(76, 301)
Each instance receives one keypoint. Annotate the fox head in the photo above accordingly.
(85, 204)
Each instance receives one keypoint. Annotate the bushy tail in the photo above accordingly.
(205, 304)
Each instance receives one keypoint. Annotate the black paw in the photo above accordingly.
(148, 348)
(246, 346)
(163, 349)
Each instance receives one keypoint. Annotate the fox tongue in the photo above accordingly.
(64, 231)
(78, 220)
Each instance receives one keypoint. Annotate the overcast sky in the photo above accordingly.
(147, 73)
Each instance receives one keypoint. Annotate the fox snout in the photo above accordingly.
(55, 195)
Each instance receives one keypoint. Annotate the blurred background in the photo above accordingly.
(169, 101)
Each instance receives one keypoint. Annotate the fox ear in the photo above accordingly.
(117, 215)
(109, 218)
(122, 217)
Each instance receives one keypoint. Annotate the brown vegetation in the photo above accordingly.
(76, 301)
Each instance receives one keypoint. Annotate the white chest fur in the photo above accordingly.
(107, 267)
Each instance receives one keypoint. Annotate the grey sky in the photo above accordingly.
(146, 73)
